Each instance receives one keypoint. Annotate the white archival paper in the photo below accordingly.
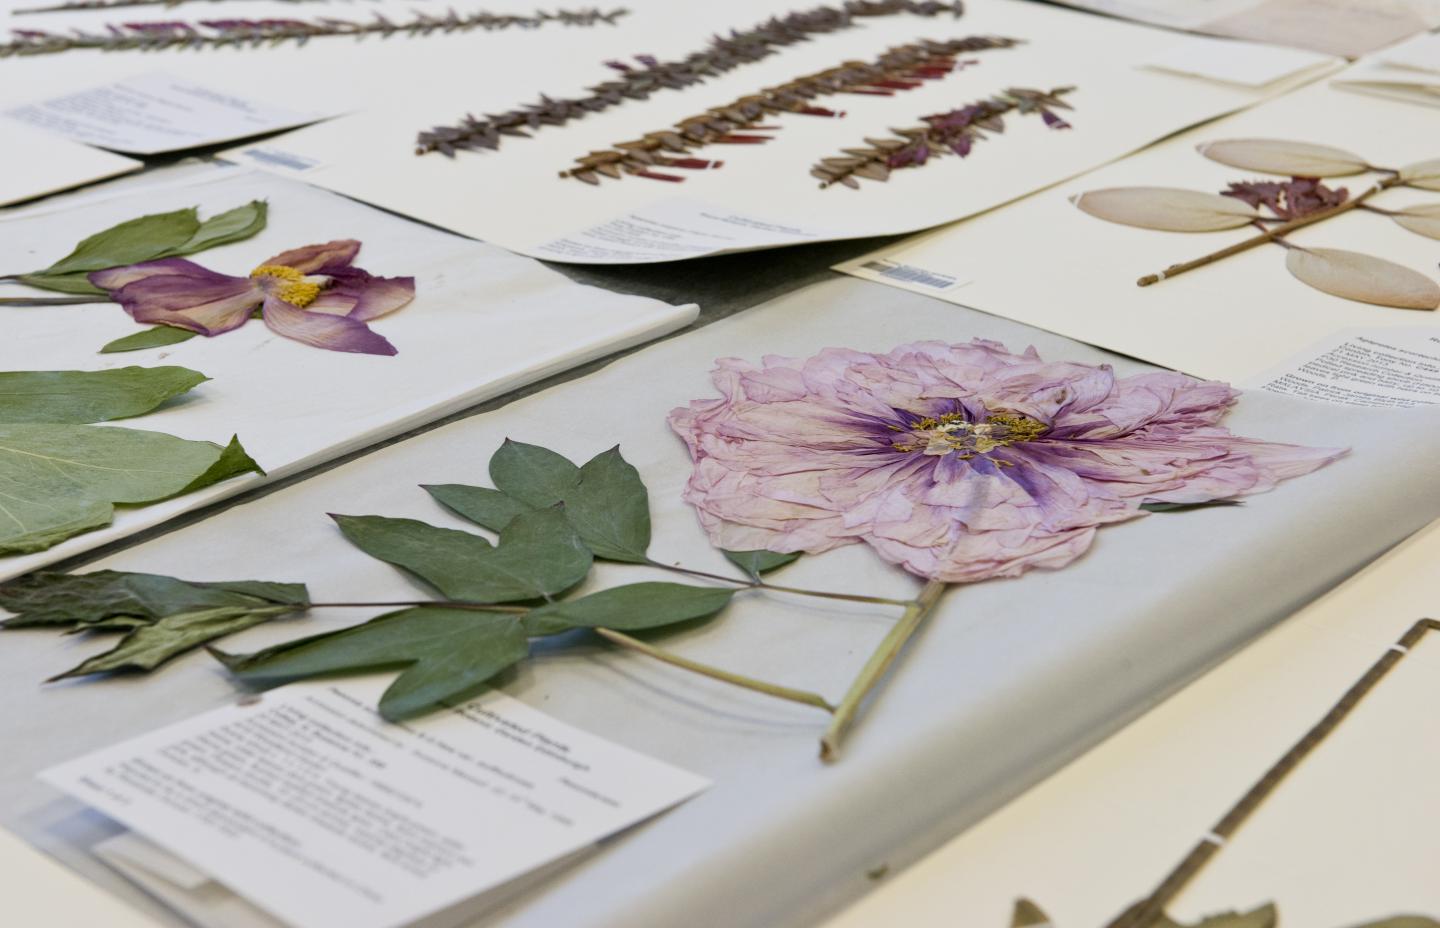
(308, 804)
(483, 322)
(39, 163)
(1349, 838)
(150, 114)
(767, 188)
(1074, 274)
(1253, 64)
(1392, 368)
(1409, 72)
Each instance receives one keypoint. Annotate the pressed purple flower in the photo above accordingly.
(959, 462)
(313, 294)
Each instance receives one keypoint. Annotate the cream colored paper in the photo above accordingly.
(1350, 837)
(1409, 72)
(483, 323)
(767, 189)
(39, 163)
(39, 891)
(1069, 272)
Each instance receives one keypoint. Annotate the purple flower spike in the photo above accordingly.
(311, 294)
(959, 462)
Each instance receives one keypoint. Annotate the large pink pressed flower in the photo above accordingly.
(312, 294)
(959, 462)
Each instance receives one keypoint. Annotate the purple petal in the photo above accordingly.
(363, 296)
(182, 294)
(323, 330)
(314, 258)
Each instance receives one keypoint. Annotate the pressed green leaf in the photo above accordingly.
(130, 242)
(535, 476)
(1264, 917)
(610, 508)
(157, 337)
(759, 562)
(1028, 915)
(62, 479)
(539, 555)
(223, 228)
(90, 396)
(47, 598)
(485, 507)
(446, 653)
(1186, 507)
(234, 460)
(1403, 921)
(628, 608)
(149, 645)
(77, 283)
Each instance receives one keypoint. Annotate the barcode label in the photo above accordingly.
(911, 274)
(283, 158)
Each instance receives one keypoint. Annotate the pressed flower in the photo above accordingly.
(313, 294)
(959, 462)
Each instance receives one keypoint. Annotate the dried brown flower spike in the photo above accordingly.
(725, 53)
(897, 70)
(954, 132)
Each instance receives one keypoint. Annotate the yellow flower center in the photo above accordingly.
(297, 290)
(952, 434)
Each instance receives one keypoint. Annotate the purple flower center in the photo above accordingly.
(952, 433)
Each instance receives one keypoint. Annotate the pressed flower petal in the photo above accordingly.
(116, 277)
(367, 296)
(209, 305)
(336, 333)
(312, 259)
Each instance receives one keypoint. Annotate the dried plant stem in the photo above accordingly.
(1151, 910)
(749, 683)
(904, 67)
(214, 33)
(1271, 234)
(51, 300)
(773, 588)
(436, 603)
(875, 668)
(72, 6)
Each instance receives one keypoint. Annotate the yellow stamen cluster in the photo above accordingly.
(297, 291)
(952, 433)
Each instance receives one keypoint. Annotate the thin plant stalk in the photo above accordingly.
(715, 673)
(1271, 234)
(51, 300)
(875, 668)
(774, 588)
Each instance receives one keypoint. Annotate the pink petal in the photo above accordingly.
(371, 296)
(323, 330)
(116, 277)
(204, 302)
(314, 258)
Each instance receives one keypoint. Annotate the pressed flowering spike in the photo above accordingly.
(737, 122)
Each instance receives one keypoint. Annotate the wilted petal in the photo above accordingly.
(336, 333)
(189, 298)
(315, 258)
(116, 277)
(363, 296)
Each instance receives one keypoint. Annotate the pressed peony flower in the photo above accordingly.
(959, 462)
(312, 294)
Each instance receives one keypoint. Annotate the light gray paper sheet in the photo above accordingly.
(1008, 681)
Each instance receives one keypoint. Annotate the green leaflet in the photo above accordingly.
(1403, 921)
(234, 460)
(148, 238)
(223, 228)
(54, 599)
(90, 396)
(1186, 507)
(538, 555)
(150, 644)
(485, 507)
(130, 242)
(156, 337)
(535, 476)
(62, 479)
(755, 563)
(447, 654)
(629, 608)
(1028, 915)
(606, 501)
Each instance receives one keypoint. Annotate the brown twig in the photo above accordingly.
(1270, 235)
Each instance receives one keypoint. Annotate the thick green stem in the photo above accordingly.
(715, 673)
(762, 585)
(875, 668)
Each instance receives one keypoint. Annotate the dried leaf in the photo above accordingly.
(535, 476)
(485, 507)
(1422, 220)
(1277, 156)
(630, 608)
(610, 508)
(129, 242)
(149, 645)
(1422, 174)
(91, 396)
(156, 337)
(48, 598)
(755, 563)
(1169, 209)
(1029, 915)
(1366, 279)
(1402, 921)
